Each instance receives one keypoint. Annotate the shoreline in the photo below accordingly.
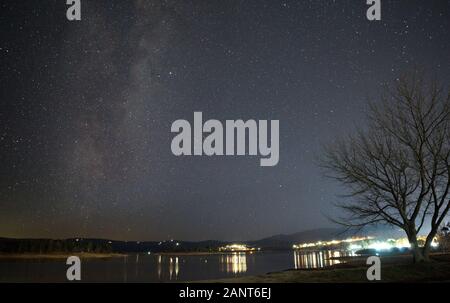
(21, 256)
(395, 269)
(56, 256)
(201, 253)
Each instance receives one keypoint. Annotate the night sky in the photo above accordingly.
(87, 106)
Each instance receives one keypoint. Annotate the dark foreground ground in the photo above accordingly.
(393, 269)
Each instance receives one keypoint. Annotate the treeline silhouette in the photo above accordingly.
(43, 246)
(10, 245)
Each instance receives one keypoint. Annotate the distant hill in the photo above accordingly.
(286, 241)
(324, 234)
(104, 245)
(166, 246)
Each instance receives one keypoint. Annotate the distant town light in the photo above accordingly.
(380, 246)
(332, 242)
(357, 243)
(237, 247)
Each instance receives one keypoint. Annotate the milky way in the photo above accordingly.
(86, 109)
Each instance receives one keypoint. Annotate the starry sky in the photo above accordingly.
(86, 109)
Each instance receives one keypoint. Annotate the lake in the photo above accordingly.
(162, 268)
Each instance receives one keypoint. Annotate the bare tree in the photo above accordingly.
(443, 236)
(398, 169)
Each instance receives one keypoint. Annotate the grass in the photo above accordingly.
(393, 269)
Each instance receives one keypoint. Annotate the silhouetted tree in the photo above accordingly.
(444, 237)
(397, 170)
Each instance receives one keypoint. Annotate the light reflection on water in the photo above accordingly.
(318, 259)
(172, 264)
(234, 263)
(237, 262)
(168, 268)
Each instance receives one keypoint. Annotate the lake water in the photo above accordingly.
(155, 268)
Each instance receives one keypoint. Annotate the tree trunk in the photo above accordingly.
(417, 254)
(415, 249)
(427, 245)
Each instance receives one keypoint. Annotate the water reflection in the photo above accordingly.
(170, 268)
(173, 265)
(318, 259)
(234, 263)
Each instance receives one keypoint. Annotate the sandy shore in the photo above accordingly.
(393, 269)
